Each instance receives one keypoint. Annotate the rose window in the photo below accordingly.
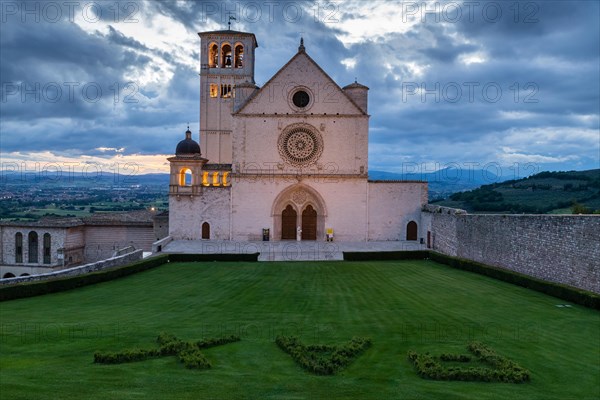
(300, 146)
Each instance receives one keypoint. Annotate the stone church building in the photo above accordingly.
(290, 156)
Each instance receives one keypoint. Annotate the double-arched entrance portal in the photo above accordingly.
(290, 223)
(299, 207)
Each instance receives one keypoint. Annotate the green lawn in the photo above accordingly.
(47, 343)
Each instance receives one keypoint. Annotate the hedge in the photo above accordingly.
(564, 292)
(561, 291)
(213, 257)
(503, 369)
(322, 359)
(37, 288)
(385, 255)
(188, 353)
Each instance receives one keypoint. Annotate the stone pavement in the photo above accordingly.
(286, 250)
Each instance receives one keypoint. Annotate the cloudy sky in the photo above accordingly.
(513, 84)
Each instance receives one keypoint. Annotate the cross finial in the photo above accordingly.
(301, 47)
(231, 17)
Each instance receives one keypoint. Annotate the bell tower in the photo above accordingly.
(226, 60)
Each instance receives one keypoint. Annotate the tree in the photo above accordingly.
(577, 208)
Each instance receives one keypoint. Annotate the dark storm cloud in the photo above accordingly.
(66, 64)
(547, 70)
(526, 28)
(286, 21)
(117, 38)
(67, 88)
(444, 50)
(543, 56)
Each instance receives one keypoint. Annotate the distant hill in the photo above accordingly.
(475, 190)
(444, 182)
(543, 193)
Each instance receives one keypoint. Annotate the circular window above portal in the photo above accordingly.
(300, 145)
(300, 99)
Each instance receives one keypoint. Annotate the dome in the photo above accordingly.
(188, 146)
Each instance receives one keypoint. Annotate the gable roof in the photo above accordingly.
(300, 53)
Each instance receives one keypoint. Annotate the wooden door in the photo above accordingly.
(288, 223)
(309, 223)
(411, 231)
(205, 231)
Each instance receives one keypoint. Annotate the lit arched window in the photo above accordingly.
(226, 56)
(226, 91)
(185, 177)
(19, 247)
(239, 56)
(213, 55)
(47, 248)
(33, 247)
(215, 179)
(411, 231)
(225, 179)
(214, 90)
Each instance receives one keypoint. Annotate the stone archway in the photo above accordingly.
(299, 198)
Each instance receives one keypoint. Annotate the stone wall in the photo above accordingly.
(392, 205)
(7, 240)
(188, 213)
(101, 242)
(557, 248)
(440, 222)
(82, 269)
(161, 226)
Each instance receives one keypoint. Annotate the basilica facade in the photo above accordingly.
(285, 161)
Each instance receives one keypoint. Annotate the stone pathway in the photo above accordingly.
(286, 250)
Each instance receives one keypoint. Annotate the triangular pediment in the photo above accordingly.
(301, 72)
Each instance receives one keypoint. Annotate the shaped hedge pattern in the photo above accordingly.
(323, 359)
(503, 369)
(188, 353)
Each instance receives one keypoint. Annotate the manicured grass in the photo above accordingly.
(47, 343)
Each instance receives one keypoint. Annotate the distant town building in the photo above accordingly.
(28, 248)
